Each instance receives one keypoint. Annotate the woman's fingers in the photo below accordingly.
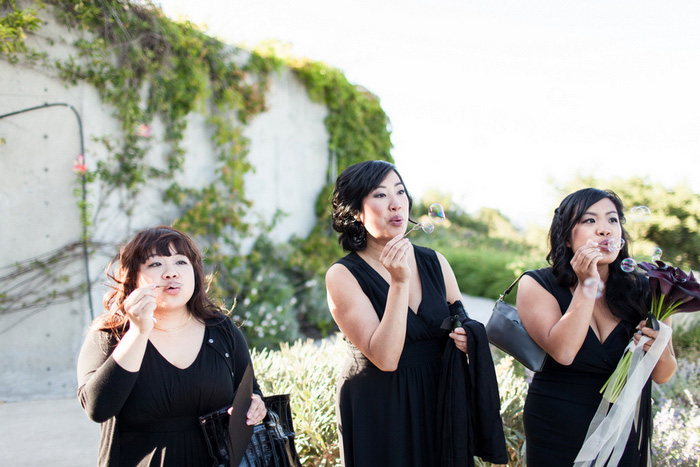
(140, 305)
(585, 260)
(459, 336)
(643, 330)
(257, 410)
(394, 257)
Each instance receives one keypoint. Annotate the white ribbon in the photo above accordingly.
(609, 430)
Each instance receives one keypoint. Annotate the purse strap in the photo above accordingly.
(510, 287)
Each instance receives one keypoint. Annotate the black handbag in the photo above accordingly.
(506, 332)
(272, 443)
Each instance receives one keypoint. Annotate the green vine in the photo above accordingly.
(150, 69)
(15, 23)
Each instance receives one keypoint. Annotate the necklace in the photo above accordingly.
(177, 328)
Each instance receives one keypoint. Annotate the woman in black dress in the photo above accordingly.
(583, 330)
(389, 298)
(161, 355)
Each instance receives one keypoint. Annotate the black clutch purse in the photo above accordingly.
(506, 332)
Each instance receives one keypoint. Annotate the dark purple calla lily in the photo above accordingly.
(672, 289)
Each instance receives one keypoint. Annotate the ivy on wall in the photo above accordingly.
(147, 67)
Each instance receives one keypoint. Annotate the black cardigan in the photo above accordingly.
(104, 386)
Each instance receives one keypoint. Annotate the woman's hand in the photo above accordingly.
(394, 258)
(459, 335)
(139, 307)
(257, 410)
(585, 262)
(643, 330)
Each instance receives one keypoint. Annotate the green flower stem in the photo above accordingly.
(615, 384)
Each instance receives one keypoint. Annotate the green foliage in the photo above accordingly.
(674, 225)
(486, 272)
(309, 372)
(264, 296)
(14, 26)
(676, 439)
(148, 69)
(357, 125)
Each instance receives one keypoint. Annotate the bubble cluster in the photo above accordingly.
(436, 213)
(639, 213)
(656, 254)
(628, 265)
(591, 289)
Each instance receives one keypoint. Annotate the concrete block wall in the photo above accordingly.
(39, 212)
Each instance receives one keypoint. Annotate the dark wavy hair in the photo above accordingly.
(351, 187)
(622, 289)
(124, 268)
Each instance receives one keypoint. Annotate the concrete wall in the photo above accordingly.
(39, 214)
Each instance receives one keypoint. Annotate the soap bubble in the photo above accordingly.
(426, 227)
(628, 265)
(593, 290)
(656, 254)
(639, 213)
(436, 212)
(615, 243)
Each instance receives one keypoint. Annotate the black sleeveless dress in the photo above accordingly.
(562, 399)
(389, 418)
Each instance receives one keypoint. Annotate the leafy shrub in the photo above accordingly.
(309, 372)
(486, 272)
(265, 298)
(676, 439)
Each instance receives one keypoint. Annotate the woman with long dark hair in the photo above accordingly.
(582, 311)
(160, 356)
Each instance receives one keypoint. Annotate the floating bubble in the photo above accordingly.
(436, 212)
(628, 265)
(591, 289)
(615, 244)
(639, 213)
(656, 254)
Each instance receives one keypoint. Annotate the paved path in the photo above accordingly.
(58, 433)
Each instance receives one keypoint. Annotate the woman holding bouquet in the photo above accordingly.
(583, 330)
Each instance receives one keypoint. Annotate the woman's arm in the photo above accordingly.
(103, 385)
(106, 374)
(561, 336)
(380, 341)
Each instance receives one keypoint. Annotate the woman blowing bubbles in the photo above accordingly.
(583, 331)
(162, 355)
(389, 298)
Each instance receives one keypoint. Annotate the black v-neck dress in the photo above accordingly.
(562, 399)
(389, 418)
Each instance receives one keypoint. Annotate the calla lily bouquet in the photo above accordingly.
(672, 291)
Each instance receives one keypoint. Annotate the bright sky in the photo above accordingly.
(492, 100)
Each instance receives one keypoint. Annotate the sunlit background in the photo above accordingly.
(498, 102)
